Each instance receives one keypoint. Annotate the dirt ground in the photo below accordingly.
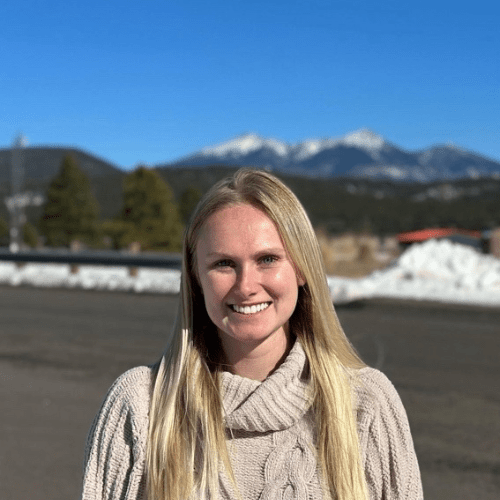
(61, 350)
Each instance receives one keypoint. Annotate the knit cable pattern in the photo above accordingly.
(289, 469)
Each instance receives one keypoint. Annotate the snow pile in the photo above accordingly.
(112, 278)
(435, 270)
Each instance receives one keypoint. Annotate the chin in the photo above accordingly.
(252, 335)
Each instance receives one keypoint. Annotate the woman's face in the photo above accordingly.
(248, 280)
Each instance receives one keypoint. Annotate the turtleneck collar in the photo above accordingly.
(275, 404)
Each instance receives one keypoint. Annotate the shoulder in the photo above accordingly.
(130, 394)
(374, 391)
(387, 449)
(378, 405)
(132, 390)
(116, 443)
(126, 405)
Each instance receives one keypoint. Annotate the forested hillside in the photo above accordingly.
(340, 205)
(336, 205)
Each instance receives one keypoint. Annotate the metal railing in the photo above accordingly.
(93, 258)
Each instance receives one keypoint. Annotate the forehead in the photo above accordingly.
(238, 226)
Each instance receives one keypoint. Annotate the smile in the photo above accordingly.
(250, 309)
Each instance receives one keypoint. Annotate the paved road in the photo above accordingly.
(444, 361)
(60, 351)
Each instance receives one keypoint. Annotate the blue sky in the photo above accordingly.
(152, 81)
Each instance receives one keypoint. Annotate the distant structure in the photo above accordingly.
(474, 239)
(17, 216)
(19, 199)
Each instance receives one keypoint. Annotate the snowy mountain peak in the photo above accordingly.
(364, 138)
(245, 144)
(361, 153)
(312, 147)
(250, 143)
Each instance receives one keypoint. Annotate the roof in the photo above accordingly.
(427, 234)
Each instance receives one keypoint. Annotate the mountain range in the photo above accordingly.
(340, 203)
(360, 154)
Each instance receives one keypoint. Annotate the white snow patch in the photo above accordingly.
(246, 144)
(249, 143)
(437, 270)
(473, 172)
(313, 147)
(365, 139)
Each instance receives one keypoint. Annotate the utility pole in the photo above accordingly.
(17, 216)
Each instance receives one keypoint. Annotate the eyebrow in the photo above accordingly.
(266, 251)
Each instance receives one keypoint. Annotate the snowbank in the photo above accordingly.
(434, 270)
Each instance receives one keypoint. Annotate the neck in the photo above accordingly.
(257, 361)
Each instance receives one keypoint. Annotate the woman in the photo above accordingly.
(259, 394)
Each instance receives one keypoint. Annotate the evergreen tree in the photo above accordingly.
(4, 232)
(71, 210)
(30, 235)
(150, 212)
(189, 199)
(114, 230)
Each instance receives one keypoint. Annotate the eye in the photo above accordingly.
(269, 259)
(223, 263)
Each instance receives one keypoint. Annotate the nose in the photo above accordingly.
(247, 281)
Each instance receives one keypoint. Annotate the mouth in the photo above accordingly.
(255, 308)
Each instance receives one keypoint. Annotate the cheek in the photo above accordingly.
(286, 281)
(212, 301)
(214, 295)
(214, 289)
(289, 287)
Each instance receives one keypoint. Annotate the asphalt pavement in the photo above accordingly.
(60, 350)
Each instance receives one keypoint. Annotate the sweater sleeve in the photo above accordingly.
(115, 448)
(390, 462)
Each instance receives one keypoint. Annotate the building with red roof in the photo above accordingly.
(462, 236)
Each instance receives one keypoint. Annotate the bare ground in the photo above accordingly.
(61, 350)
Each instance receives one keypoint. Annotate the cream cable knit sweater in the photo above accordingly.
(271, 429)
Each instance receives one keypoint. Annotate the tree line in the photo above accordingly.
(379, 208)
(152, 207)
(149, 216)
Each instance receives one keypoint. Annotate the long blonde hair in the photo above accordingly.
(187, 440)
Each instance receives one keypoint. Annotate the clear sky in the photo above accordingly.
(152, 81)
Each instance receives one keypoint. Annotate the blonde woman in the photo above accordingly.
(259, 394)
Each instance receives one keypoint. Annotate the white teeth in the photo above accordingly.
(250, 309)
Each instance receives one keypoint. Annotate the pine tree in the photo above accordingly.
(189, 199)
(71, 210)
(150, 212)
(113, 231)
(4, 232)
(30, 235)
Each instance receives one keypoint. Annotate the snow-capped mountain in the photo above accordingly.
(361, 154)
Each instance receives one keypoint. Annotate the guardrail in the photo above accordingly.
(93, 258)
